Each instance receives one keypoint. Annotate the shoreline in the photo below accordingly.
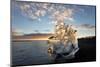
(23, 40)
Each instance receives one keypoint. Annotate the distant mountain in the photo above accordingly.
(42, 36)
(38, 34)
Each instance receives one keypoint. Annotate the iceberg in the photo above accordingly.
(63, 42)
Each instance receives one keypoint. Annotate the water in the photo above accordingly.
(35, 52)
(30, 53)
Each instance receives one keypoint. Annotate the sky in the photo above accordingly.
(34, 17)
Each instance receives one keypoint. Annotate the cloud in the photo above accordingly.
(71, 19)
(56, 12)
(54, 22)
(39, 19)
(85, 30)
(17, 32)
(87, 26)
(40, 13)
(47, 30)
(32, 10)
(36, 31)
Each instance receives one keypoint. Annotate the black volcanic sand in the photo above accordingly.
(35, 53)
(87, 50)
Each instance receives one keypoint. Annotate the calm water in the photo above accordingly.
(35, 52)
(28, 53)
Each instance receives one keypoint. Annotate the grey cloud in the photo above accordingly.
(89, 26)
